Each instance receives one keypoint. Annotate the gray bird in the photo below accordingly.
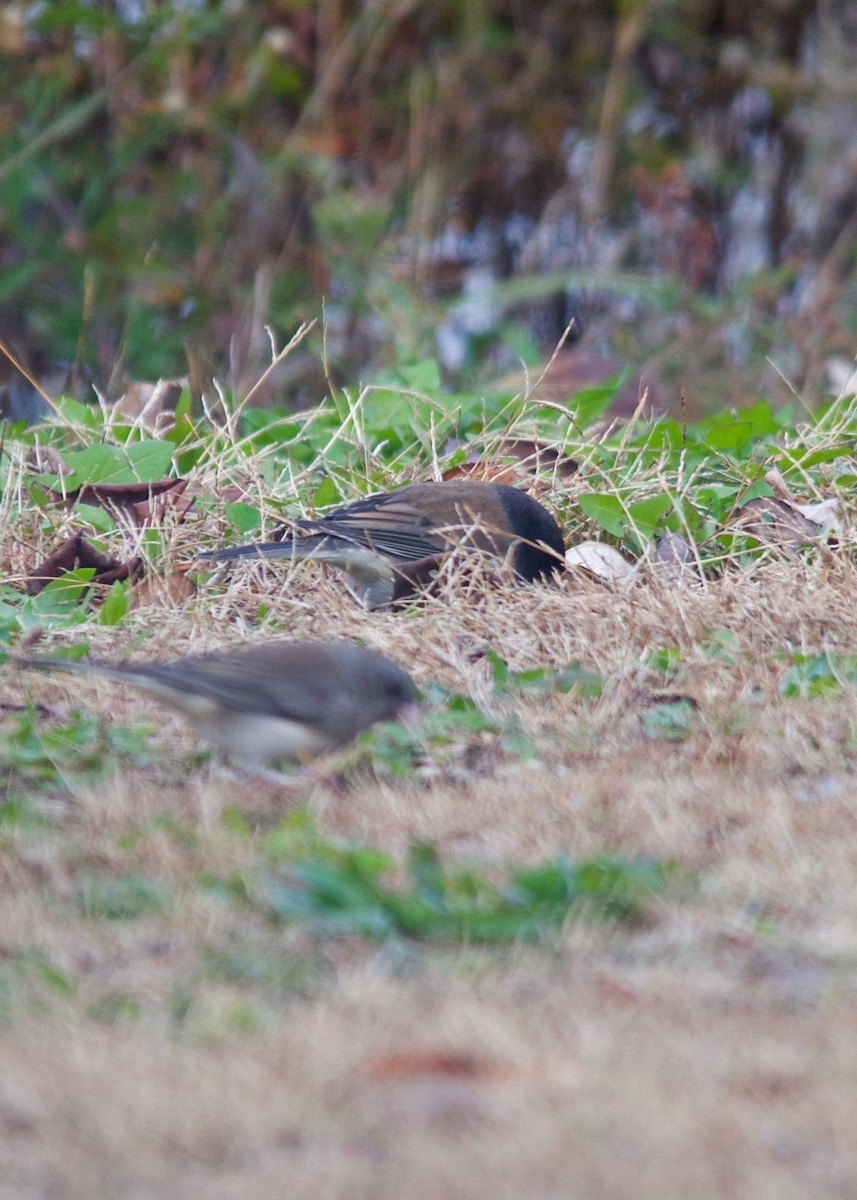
(390, 543)
(280, 700)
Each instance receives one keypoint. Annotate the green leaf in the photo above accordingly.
(326, 494)
(115, 605)
(647, 515)
(756, 489)
(61, 598)
(422, 376)
(150, 460)
(147, 461)
(343, 891)
(590, 403)
(606, 511)
(671, 720)
(575, 678)
(620, 519)
(95, 517)
(242, 517)
(814, 675)
(122, 899)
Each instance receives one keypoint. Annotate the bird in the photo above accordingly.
(277, 700)
(391, 542)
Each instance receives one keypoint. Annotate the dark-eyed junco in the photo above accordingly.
(280, 700)
(389, 542)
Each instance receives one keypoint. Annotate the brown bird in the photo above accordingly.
(279, 700)
(391, 541)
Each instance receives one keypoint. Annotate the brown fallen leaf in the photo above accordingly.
(651, 699)
(152, 406)
(114, 496)
(163, 591)
(574, 368)
(48, 461)
(825, 513)
(153, 512)
(136, 503)
(528, 456)
(233, 493)
(536, 456)
(488, 470)
(76, 552)
(616, 991)
(776, 522)
(51, 712)
(675, 562)
(412, 577)
(412, 1064)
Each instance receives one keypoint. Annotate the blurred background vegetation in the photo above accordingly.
(453, 180)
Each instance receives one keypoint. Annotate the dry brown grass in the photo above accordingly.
(711, 1054)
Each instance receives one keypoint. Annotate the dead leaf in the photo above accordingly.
(650, 699)
(616, 991)
(675, 562)
(529, 458)
(163, 591)
(413, 1064)
(152, 406)
(138, 503)
(51, 712)
(123, 495)
(411, 577)
(602, 561)
(153, 512)
(61, 560)
(826, 514)
(777, 522)
(233, 493)
(76, 552)
(774, 479)
(488, 470)
(48, 461)
(573, 369)
(536, 456)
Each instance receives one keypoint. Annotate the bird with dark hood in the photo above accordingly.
(277, 700)
(390, 543)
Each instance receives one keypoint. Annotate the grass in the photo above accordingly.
(168, 1026)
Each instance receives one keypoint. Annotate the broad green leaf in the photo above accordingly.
(422, 376)
(621, 519)
(326, 494)
(590, 403)
(63, 596)
(241, 516)
(115, 605)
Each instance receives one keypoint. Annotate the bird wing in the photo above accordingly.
(211, 681)
(383, 524)
(257, 687)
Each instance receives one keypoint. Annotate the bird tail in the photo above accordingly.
(321, 547)
(253, 550)
(298, 545)
(128, 672)
(77, 666)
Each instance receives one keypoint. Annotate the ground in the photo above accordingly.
(710, 1050)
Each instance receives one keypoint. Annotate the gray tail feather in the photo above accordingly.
(325, 547)
(293, 547)
(77, 666)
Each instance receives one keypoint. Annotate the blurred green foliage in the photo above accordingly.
(175, 175)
